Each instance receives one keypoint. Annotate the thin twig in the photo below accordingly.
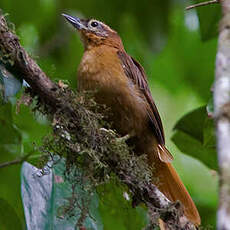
(16, 161)
(202, 4)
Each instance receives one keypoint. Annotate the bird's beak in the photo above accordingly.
(76, 22)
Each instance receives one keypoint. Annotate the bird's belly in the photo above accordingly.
(126, 109)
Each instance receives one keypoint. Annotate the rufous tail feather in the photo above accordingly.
(170, 184)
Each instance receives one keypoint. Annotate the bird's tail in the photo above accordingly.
(170, 184)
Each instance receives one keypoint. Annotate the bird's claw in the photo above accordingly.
(110, 131)
(119, 139)
(123, 139)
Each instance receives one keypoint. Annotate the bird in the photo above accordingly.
(120, 83)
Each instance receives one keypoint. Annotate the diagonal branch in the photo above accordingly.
(51, 96)
(22, 62)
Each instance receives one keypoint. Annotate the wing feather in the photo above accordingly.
(135, 71)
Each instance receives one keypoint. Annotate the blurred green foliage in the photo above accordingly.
(209, 18)
(168, 43)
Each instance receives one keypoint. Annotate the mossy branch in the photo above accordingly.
(77, 124)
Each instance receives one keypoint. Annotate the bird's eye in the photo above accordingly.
(94, 24)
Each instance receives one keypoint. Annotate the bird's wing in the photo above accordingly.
(135, 71)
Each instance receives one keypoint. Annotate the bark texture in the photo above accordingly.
(222, 115)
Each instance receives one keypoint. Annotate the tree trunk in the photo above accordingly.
(222, 115)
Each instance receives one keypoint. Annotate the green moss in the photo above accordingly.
(78, 137)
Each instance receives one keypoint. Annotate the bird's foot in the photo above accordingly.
(118, 139)
(123, 139)
(109, 131)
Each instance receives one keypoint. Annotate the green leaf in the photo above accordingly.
(8, 132)
(192, 123)
(45, 198)
(10, 200)
(117, 212)
(195, 136)
(8, 218)
(209, 18)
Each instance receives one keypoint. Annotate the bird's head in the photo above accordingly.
(94, 33)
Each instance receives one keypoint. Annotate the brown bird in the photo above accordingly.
(121, 84)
